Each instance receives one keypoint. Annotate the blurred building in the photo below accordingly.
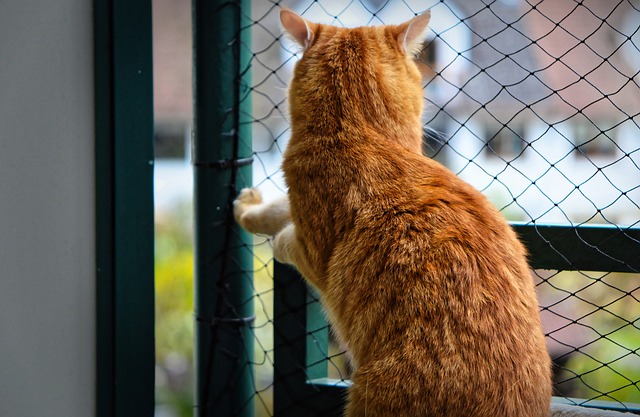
(536, 106)
(173, 101)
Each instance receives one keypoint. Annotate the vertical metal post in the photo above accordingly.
(222, 152)
(124, 208)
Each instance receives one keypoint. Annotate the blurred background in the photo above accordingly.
(535, 103)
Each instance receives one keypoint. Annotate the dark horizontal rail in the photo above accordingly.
(333, 392)
(586, 248)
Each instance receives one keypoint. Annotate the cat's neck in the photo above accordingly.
(406, 137)
(353, 120)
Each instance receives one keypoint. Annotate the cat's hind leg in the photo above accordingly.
(258, 217)
(288, 249)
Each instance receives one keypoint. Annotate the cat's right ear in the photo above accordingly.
(301, 30)
(413, 33)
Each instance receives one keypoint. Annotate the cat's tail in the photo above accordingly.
(565, 410)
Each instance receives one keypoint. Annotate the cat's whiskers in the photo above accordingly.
(436, 135)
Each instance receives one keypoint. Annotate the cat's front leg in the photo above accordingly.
(258, 217)
(274, 219)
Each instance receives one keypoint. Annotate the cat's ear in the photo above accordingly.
(301, 30)
(413, 33)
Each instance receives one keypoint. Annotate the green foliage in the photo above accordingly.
(610, 366)
(596, 313)
(174, 317)
(174, 312)
(610, 370)
(263, 327)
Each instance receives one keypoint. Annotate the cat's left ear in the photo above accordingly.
(413, 33)
(301, 30)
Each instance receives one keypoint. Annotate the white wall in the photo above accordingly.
(47, 255)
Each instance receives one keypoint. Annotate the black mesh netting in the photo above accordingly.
(535, 103)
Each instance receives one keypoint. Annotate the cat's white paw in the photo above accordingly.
(248, 197)
(242, 205)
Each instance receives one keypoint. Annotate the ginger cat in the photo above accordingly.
(421, 277)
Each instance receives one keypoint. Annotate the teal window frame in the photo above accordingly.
(302, 388)
(125, 346)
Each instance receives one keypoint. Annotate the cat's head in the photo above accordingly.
(352, 75)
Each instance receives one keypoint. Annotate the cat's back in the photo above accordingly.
(408, 211)
(444, 281)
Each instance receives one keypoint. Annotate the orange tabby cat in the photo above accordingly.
(422, 279)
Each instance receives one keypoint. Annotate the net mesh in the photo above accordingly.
(535, 103)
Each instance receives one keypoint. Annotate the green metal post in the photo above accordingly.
(124, 208)
(221, 158)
